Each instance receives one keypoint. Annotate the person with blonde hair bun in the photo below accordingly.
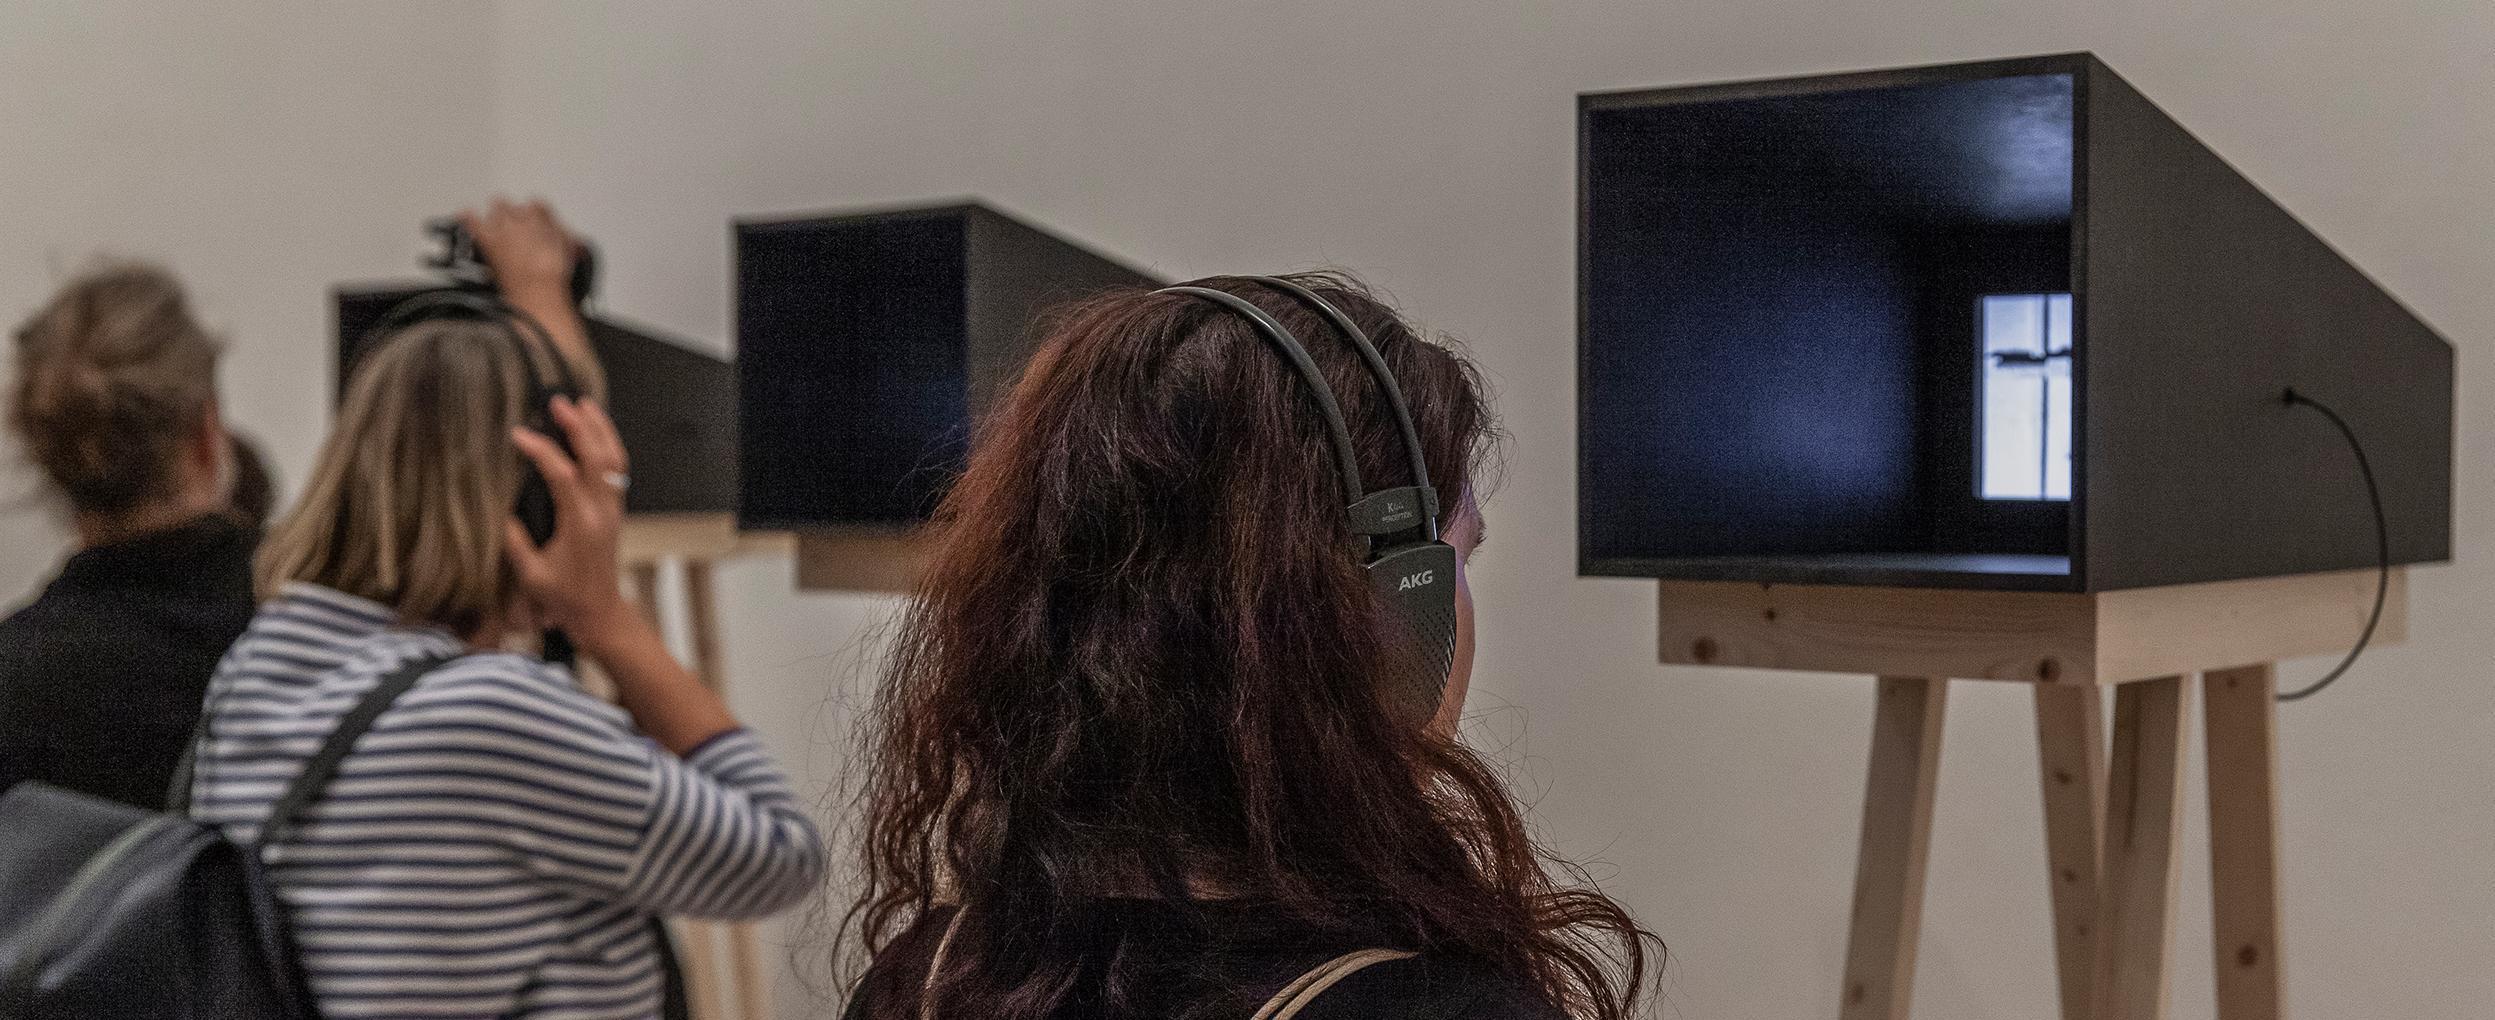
(114, 400)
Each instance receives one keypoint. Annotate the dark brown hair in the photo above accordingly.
(1143, 661)
(112, 377)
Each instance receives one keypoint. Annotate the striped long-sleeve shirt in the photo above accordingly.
(497, 843)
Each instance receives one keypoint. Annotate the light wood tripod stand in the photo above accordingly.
(2110, 808)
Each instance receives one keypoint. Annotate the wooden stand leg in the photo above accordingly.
(696, 952)
(2243, 839)
(2144, 795)
(702, 607)
(1897, 836)
(2070, 753)
(644, 581)
(745, 972)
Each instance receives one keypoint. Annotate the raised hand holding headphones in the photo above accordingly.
(538, 267)
(533, 259)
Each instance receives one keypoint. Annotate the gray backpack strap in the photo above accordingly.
(1297, 995)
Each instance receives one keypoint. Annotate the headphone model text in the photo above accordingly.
(1412, 571)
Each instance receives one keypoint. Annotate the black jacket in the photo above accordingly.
(101, 675)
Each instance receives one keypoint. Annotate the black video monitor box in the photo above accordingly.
(867, 343)
(1999, 325)
(674, 406)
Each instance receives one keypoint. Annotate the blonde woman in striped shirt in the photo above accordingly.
(497, 843)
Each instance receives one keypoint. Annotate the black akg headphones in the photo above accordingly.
(535, 506)
(1412, 571)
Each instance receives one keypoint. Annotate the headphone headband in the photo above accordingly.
(523, 327)
(1388, 390)
(1346, 462)
(1386, 511)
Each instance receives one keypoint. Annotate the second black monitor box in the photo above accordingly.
(868, 342)
(675, 406)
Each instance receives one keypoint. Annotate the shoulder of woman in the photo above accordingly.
(496, 669)
(488, 685)
(1431, 988)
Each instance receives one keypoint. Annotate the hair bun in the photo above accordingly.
(112, 374)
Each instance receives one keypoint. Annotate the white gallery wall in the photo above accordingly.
(1431, 148)
(261, 151)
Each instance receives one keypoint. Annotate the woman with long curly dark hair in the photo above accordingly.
(1140, 752)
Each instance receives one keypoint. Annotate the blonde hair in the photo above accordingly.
(113, 375)
(406, 503)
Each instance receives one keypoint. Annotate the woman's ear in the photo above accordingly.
(1450, 712)
(1465, 533)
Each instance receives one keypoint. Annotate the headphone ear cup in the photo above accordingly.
(535, 506)
(1416, 585)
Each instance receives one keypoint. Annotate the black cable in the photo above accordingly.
(2382, 546)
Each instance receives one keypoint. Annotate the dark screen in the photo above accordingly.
(851, 366)
(1773, 367)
